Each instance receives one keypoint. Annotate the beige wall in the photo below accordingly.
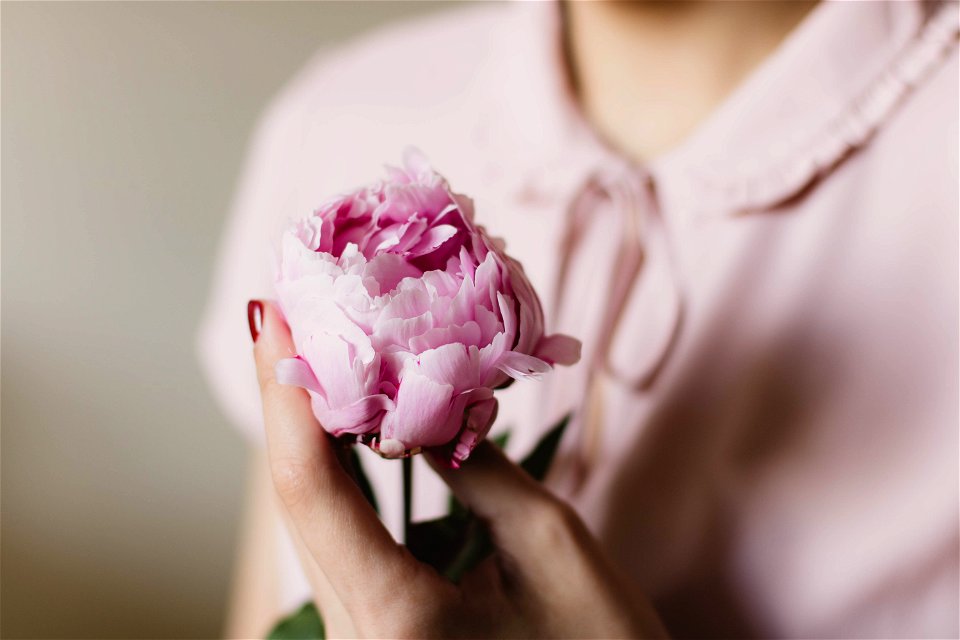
(123, 131)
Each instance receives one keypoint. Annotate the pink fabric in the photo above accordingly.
(766, 413)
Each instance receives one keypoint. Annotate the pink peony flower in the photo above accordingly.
(406, 316)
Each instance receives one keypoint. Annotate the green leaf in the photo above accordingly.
(538, 461)
(362, 481)
(476, 546)
(452, 545)
(438, 542)
(501, 439)
(305, 624)
(456, 508)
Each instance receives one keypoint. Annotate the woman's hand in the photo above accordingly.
(547, 578)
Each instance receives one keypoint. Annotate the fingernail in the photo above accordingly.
(255, 318)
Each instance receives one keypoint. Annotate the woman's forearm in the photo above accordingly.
(254, 598)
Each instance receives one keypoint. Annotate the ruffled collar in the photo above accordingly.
(829, 86)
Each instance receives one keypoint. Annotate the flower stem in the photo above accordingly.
(407, 496)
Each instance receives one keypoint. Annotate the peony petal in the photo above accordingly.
(461, 306)
(296, 372)
(385, 237)
(350, 259)
(509, 317)
(342, 375)
(347, 233)
(318, 317)
(354, 301)
(490, 357)
(299, 260)
(467, 264)
(440, 284)
(466, 334)
(406, 302)
(410, 235)
(421, 414)
(395, 174)
(464, 205)
(487, 281)
(531, 314)
(362, 416)
(453, 364)
(520, 365)
(489, 324)
(559, 349)
(394, 361)
(388, 269)
(415, 163)
(359, 207)
(432, 238)
(401, 331)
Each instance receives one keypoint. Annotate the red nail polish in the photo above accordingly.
(255, 318)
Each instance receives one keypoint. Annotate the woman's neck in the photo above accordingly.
(647, 73)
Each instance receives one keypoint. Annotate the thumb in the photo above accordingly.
(504, 495)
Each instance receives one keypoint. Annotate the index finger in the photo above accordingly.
(339, 528)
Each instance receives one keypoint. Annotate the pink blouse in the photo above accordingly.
(766, 415)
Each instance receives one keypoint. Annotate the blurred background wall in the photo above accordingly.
(124, 127)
